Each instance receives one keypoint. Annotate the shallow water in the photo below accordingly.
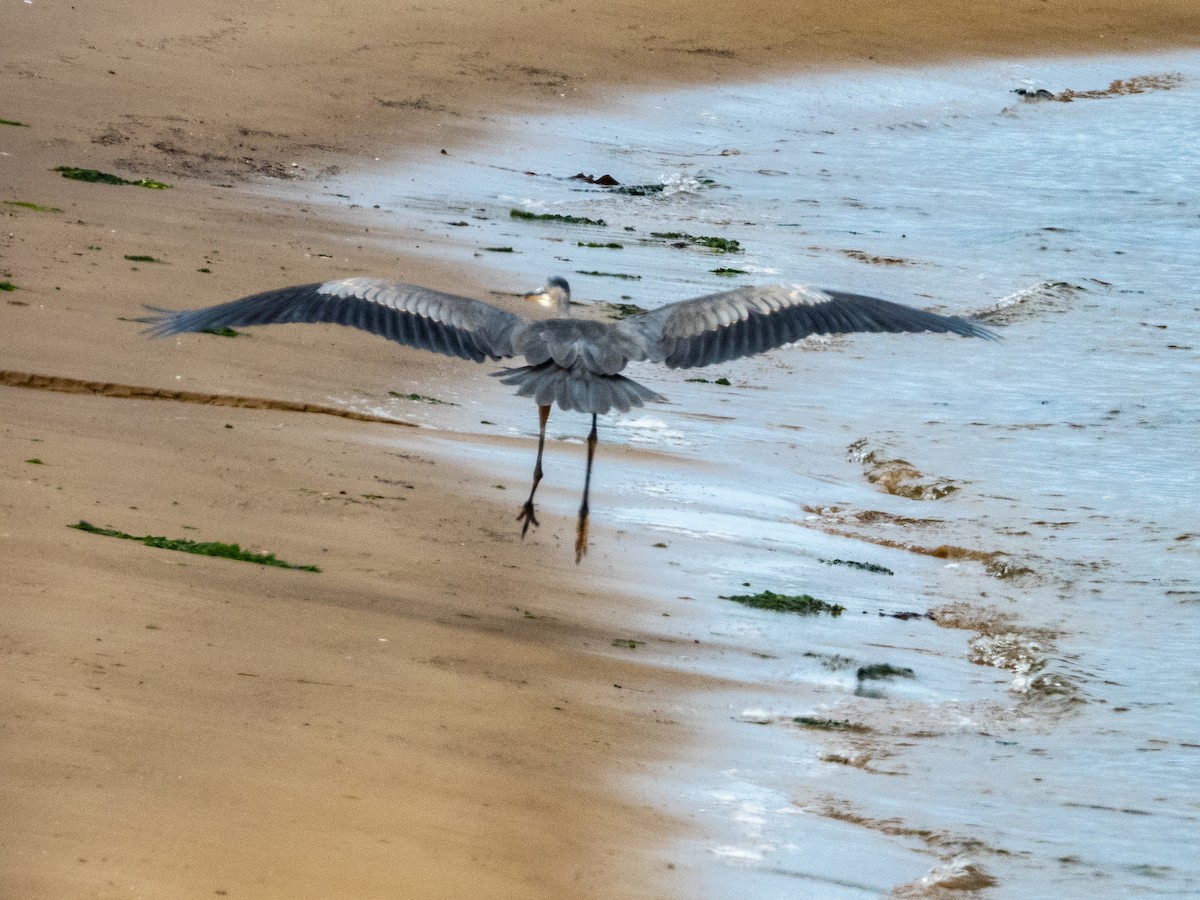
(1048, 741)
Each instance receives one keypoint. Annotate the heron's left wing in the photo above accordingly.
(749, 320)
(405, 313)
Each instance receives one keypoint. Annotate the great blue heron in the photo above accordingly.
(575, 363)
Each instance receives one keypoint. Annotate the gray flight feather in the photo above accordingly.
(750, 320)
(405, 313)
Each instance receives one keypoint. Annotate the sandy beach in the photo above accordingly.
(437, 712)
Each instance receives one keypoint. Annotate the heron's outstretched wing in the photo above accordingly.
(405, 313)
(750, 320)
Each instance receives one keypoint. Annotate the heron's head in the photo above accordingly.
(556, 295)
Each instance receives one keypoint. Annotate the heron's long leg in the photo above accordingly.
(581, 530)
(526, 512)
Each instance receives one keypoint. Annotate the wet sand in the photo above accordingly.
(438, 712)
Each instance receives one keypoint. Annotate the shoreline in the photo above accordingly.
(309, 84)
(179, 725)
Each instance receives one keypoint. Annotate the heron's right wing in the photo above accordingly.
(750, 320)
(405, 313)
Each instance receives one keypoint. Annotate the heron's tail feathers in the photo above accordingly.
(581, 391)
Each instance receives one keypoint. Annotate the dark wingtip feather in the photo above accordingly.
(159, 322)
(981, 331)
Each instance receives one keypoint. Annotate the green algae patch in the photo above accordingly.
(598, 274)
(141, 257)
(719, 244)
(829, 724)
(202, 548)
(834, 662)
(13, 123)
(643, 190)
(727, 272)
(638, 190)
(421, 398)
(802, 604)
(862, 566)
(883, 672)
(555, 217)
(95, 176)
(36, 207)
(223, 331)
(623, 310)
(8, 286)
(724, 382)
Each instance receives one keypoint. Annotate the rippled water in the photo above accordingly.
(1047, 741)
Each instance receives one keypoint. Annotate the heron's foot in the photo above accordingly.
(526, 515)
(581, 541)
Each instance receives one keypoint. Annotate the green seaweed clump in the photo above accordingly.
(829, 724)
(421, 398)
(802, 604)
(140, 257)
(866, 567)
(623, 310)
(881, 671)
(203, 548)
(834, 662)
(13, 122)
(599, 274)
(555, 217)
(638, 190)
(223, 331)
(728, 272)
(97, 177)
(720, 244)
(7, 286)
(599, 245)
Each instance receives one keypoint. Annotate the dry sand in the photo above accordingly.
(436, 713)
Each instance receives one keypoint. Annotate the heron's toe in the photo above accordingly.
(527, 516)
